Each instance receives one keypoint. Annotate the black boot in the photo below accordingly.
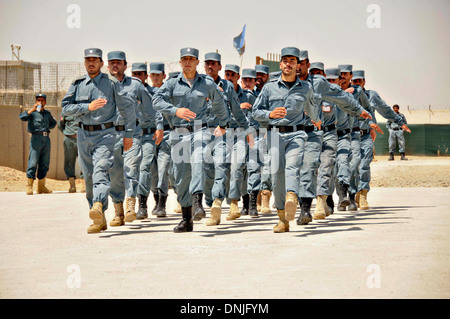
(142, 212)
(252, 209)
(352, 207)
(161, 211)
(330, 203)
(245, 202)
(197, 207)
(344, 201)
(305, 215)
(156, 197)
(391, 157)
(186, 224)
(403, 158)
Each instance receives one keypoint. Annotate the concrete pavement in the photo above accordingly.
(400, 248)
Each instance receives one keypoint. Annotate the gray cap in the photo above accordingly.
(317, 65)
(249, 73)
(303, 55)
(290, 51)
(358, 74)
(345, 67)
(41, 95)
(93, 52)
(232, 67)
(116, 55)
(261, 68)
(332, 73)
(189, 52)
(274, 75)
(139, 67)
(212, 56)
(156, 67)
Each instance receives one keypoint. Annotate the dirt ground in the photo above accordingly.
(418, 171)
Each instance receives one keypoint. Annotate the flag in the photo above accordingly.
(239, 42)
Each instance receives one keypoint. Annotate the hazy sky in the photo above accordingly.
(406, 59)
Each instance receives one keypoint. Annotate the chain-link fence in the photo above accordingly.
(20, 81)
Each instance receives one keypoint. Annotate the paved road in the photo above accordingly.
(398, 249)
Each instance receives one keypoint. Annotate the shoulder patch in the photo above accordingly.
(112, 78)
(79, 79)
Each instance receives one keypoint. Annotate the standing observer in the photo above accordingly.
(40, 122)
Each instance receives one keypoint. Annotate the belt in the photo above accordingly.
(364, 132)
(149, 130)
(396, 129)
(72, 136)
(167, 127)
(356, 129)
(97, 127)
(189, 128)
(119, 128)
(41, 133)
(309, 128)
(328, 128)
(343, 132)
(288, 129)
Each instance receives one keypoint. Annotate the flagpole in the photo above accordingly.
(240, 68)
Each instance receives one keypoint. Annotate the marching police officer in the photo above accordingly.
(40, 122)
(396, 135)
(184, 98)
(94, 98)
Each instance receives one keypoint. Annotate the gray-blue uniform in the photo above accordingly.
(125, 172)
(187, 137)
(39, 125)
(360, 131)
(286, 136)
(219, 150)
(97, 135)
(379, 105)
(68, 125)
(238, 125)
(396, 135)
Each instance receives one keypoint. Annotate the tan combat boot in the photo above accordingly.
(291, 205)
(130, 214)
(357, 196)
(30, 186)
(283, 224)
(234, 210)
(72, 188)
(320, 212)
(178, 209)
(119, 218)
(363, 204)
(98, 217)
(41, 187)
(216, 212)
(258, 201)
(265, 202)
(83, 186)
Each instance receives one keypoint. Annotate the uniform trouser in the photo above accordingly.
(255, 163)
(187, 159)
(327, 163)
(96, 157)
(366, 159)
(355, 159)
(394, 136)
(159, 167)
(217, 166)
(238, 183)
(286, 156)
(70, 155)
(311, 161)
(39, 156)
(266, 182)
(125, 170)
(146, 176)
(343, 154)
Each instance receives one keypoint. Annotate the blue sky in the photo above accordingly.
(406, 59)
